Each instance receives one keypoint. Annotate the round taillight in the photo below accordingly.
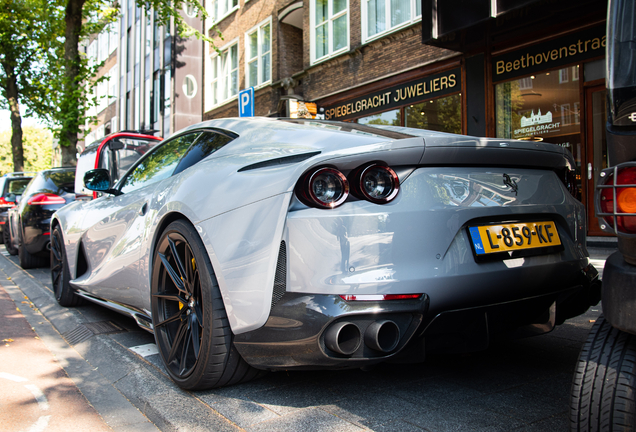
(327, 188)
(379, 184)
(617, 199)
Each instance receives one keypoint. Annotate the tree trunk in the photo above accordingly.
(16, 120)
(71, 127)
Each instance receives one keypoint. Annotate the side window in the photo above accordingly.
(159, 164)
(208, 143)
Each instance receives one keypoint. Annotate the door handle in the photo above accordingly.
(589, 171)
(143, 209)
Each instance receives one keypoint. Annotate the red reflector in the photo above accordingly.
(45, 199)
(47, 233)
(620, 199)
(379, 297)
(2, 223)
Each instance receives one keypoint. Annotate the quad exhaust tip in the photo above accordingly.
(345, 337)
(382, 336)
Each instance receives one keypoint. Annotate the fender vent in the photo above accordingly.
(281, 275)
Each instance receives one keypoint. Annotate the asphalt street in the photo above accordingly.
(111, 367)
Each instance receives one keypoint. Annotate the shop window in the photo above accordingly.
(549, 111)
(329, 28)
(443, 115)
(387, 118)
(224, 74)
(258, 49)
(381, 16)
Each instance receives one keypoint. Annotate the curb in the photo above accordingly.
(129, 393)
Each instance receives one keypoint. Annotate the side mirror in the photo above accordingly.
(116, 145)
(98, 180)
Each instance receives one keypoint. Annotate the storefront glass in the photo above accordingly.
(542, 107)
(391, 118)
(443, 114)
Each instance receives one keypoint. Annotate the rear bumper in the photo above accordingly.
(300, 332)
(619, 293)
(297, 334)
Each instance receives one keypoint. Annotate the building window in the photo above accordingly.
(112, 84)
(258, 49)
(113, 37)
(190, 10)
(219, 9)
(224, 74)
(190, 86)
(380, 16)
(330, 28)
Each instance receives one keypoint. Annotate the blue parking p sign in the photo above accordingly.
(246, 102)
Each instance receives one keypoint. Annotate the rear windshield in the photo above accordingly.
(54, 181)
(17, 186)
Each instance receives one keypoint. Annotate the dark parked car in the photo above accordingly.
(30, 220)
(116, 153)
(11, 187)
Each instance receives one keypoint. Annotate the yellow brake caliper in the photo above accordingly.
(194, 266)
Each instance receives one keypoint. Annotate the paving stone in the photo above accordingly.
(310, 419)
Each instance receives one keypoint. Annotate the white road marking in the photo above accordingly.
(43, 421)
(40, 425)
(145, 350)
(39, 396)
(10, 377)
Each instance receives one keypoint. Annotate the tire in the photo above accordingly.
(7, 242)
(604, 385)
(27, 260)
(60, 275)
(190, 323)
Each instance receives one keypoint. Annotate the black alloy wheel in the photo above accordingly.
(60, 275)
(189, 319)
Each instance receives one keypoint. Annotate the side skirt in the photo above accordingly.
(142, 318)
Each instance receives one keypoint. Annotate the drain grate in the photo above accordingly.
(85, 331)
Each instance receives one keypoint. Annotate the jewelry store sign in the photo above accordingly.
(536, 125)
(414, 91)
(565, 50)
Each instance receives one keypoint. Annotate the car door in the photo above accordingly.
(112, 242)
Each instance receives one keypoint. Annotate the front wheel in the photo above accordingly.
(191, 327)
(604, 386)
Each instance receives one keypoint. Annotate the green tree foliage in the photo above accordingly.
(88, 17)
(38, 150)
(27, 34)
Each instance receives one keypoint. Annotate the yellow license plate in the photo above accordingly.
(513, 236)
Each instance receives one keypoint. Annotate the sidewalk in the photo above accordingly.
(37, 394)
